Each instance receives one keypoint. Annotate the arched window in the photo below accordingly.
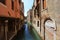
(38, 23)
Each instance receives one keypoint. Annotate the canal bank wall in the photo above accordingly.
(34, 31)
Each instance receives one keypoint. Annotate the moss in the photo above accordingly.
(34, 32)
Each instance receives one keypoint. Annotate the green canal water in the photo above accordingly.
(27, 34)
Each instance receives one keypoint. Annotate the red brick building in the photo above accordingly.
(11, 18)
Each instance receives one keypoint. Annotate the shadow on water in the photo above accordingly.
(24, 34)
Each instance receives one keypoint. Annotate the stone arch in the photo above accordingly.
(47, 19)
(54, 28)
(44, 24)
(50, 20)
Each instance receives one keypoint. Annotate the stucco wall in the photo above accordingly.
(54, 11)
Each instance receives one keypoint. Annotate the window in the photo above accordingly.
(38, 23)
(37, 1)
(34, 13)
(2, 1)
(44, 4)
(9, 14)
(38, 15)
(19, 1)
(12, 4)
(37, 9)
(30, 16)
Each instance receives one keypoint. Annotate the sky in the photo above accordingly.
(27, 5)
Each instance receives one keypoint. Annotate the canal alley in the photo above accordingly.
(25, 34)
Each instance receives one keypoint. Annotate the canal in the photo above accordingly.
(25, 34)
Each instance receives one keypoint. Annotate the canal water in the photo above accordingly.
(25, 34)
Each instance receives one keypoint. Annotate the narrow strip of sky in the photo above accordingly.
(27, 5)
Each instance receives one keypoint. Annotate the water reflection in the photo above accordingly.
(24, 34)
